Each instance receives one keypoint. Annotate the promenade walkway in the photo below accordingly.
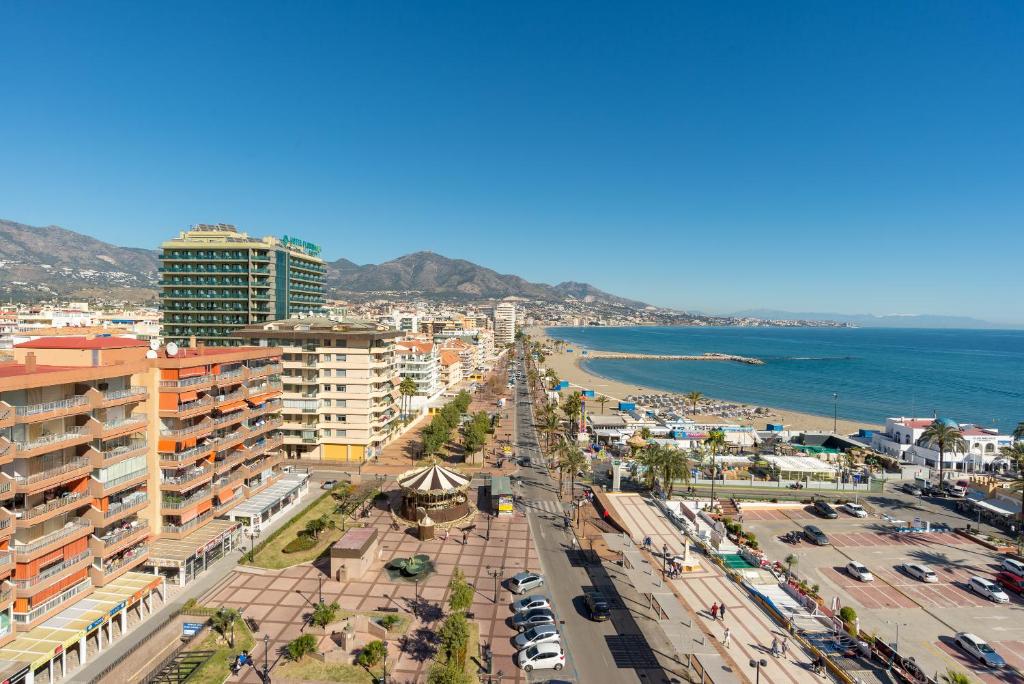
(752, 630)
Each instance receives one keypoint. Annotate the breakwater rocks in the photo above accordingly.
(707, 356)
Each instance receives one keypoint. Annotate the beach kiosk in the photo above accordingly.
(502, 501)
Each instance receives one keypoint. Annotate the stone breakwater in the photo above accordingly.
(706, 356)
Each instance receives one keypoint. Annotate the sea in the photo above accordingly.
(971, 376)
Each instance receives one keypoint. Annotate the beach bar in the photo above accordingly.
(803, 468)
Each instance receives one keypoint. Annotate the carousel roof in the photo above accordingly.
(432, 479)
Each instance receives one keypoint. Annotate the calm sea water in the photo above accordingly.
(974, 376)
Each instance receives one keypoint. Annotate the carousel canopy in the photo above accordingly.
(433, 479)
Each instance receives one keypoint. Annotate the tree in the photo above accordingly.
(715, 441)
(674, 466)
(645, 433)
(572, 406)
(372, 653)
(602, 399)
(1015, 454)
(298, 648)
(1018, 432)
(551, 426)
(461, 592)
(447, 673)
(454, 635)
(694, 398)
(944, 437)
(324, 614)
(650, 458)
(317, 525)
(223, 621)
(572, 462)
(790, 561)
(848, 615)
(957, 677)
(407, 388)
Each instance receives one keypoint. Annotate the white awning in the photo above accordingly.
(1000, 506)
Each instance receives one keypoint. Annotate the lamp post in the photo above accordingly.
(496, 573)
(266, 659)
(384, 665)
(664, 560)
(254, 533)
(758, 664)
(320, 588)
(835, 412)
(896, 646)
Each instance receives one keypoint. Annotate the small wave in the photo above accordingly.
(815, 358)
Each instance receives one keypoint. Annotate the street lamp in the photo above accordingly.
(896, 646)
(758, 664)
(835, 413)
(496, 573)
(384, 665)
(266, 659)
(664, 560)
(254, 533)
(320, 588)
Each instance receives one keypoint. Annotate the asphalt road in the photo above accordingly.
(588, 656)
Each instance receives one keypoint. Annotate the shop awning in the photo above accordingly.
(255, 507)
(175, 553)
(1000, 507)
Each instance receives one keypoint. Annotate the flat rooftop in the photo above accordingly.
(174, 552)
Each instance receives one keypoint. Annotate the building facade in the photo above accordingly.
(504, 323)
(420, 362)
(902, 439)
(215, 280)
(341, 384)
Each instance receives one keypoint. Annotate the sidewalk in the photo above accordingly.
(137, 641)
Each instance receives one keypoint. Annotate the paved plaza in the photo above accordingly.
(281, 601)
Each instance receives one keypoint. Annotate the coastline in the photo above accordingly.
(568, 367)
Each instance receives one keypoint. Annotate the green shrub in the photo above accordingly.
(847, 614)
(388, 621)
(302, 542)
(297, 648)
(371, 654)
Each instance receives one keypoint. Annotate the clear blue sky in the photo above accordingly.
(815, 156)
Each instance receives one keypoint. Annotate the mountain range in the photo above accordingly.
(50, 262)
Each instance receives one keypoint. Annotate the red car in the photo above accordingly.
(1011, 582)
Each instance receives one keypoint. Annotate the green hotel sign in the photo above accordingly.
(307, 247)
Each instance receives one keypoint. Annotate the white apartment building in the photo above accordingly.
(902, 436)
(421, 362)
(504, 323)
(341, 398)
(407, 322)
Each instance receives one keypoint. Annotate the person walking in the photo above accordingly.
(465, 537)
(714, 610)
(784, 647)
(727, 637)
(721, 611)
(775, 647)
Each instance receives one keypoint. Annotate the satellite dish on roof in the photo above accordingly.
(172, 349)
(154, 344)
(151, 354)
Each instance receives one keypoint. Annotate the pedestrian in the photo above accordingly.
(775, 647)
(445, 534)
(727, 637)
(721, 611)
(784, 647)
(465, 537)
(714, 610)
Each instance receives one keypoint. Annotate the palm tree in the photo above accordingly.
(674, 466)
(551, 426)
(223, 621)
(602, 399)
(573, 407)
(650, 458)
(317, 525)
(715, 441)
(573, 461)
(944, 436)
(407, 388)
(562, 451)
(790, 561)
(1015, 454)
(1018, 432)
(694, 398)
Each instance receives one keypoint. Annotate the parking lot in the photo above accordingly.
(928, 615)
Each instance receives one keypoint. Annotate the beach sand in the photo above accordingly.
(567, 367)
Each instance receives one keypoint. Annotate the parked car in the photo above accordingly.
(814, 535)
(541, 657)
(913, 489)
(990, 590)
(1011, 582)
(856, 510)
(597, 606)
(920, 572)
(522, 582)
(859, 571)
(328, 484)
(532, 618)
(1013, 565)
(541, 634)
(530, 602)
(979, 649)
(824, 509)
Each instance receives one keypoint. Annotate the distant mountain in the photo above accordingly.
(39, 263)
(875, 321)
(432, 275)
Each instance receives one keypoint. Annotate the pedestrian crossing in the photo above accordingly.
(549, 506)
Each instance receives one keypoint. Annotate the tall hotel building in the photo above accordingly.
(215, 280)
(504, 323)
(341, 385)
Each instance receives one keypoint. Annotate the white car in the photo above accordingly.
(541, 634)
(859, 571)
(522, 582)
(979, 649)
(920, 572)
(990, 590)
(1013, 565)
(856, 510)
(547, 656)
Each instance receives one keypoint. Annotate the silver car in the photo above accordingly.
(979, 649)
(541, 634)
(530, 602)
(522, 582)
(920, 572)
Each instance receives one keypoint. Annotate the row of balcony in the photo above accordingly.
(133, 500)
(201, 267)
(213, 255)
(127, 557)
(225, 378)
(111, 540)
(80, 403)
(52, 571)
(75, 528)
(242, 295)
(37, 612)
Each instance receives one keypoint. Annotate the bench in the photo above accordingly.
(386, 609)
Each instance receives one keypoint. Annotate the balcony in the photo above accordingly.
(188, 409)
(224, 506)
(30, 618)
(191, 454)
(45, 479)
(51, 574)
(178, 503)
(266, 369)
(104, 489)
(37, 514)
(123, 396)
(7, 415)
(52, 409)
(114, 541)
(50, 442)
(6, 562)
(25, 552)
(133, 503)
(178, 531)
(135, 447)
(200, 429)
(103, 571)
(122, 426)
(196, 382)
(186, 480)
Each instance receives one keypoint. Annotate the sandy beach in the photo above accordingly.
(567, 367)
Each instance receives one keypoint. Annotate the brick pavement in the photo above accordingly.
(280, 601)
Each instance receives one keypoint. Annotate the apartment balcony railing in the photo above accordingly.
(65, 596)
(75, 464)
(230, 396)
(124, 423)
(64, 501)
(131, 555)
(118, 481)
(131, 501)
(191, 453)
(52, 571)
(52, 439)
(190, 476)
(201, 495)
(194, 404)
(224, 376)
(195, 522)
(74, 528)
(201, 426)
(6, 560)
(50, 406)
(187, 382)
(114, 395)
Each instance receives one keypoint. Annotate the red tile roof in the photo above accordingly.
(82, 343)
(13, 370)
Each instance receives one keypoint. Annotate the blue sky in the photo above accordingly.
(814, 156)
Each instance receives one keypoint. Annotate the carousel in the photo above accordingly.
(435, 492)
